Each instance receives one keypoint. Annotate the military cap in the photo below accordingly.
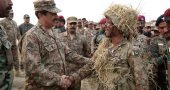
(48, 5)
(79, 20)
(71, 19)
(90, 22)
(26, 16)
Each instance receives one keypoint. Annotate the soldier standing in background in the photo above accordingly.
(89, 33)
(59, 24)
(99, 35)
(158, 49)
(24, 27)
(80, 28)
(77, 43)
(6, 59)
(45, 54)
(167, 37)
(13, 35)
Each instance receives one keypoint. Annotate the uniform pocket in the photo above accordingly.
(50, 47)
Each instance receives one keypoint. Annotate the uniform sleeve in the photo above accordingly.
(93, 44)
(4, 38)
(83, 72)
(34, 67)
(86, 47)
(139, 72)
(154, 50)
(20, 29)
(74, 57)
(18, 34)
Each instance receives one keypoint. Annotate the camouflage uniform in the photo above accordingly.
(126, 73)
(96, 40)
(80, 31)
(142, 61)
(45, 59)
(89, 34)
(13, 34)
(122, 69)
(80, 46)
(6, 60)
(23, 28)
(159, 53)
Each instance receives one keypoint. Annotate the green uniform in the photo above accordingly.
(6, 73)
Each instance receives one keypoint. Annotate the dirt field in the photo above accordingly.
(18, 83)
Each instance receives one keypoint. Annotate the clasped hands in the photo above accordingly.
(66, 81)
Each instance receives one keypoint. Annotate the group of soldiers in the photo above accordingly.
(118, 53)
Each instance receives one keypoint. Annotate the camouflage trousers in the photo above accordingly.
(15, 54)
(6, 80)
(6, 76)
(92, 83)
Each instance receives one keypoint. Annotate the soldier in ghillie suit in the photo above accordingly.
(112, 67)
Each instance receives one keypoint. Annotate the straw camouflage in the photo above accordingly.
(123, 17)
(48, 5)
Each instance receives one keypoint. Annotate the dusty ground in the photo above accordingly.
(18, 83)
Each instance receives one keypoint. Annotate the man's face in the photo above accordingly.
(140, 24)
(71, 27)
(162, 27)
(90, 26)
(109, 30)
(62, 24)
(27, 19)
(5, 6)
(102, 26)
(79, 24)
(49, 19)
(56, 23)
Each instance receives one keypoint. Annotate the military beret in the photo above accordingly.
(167, 13)
(61, 18)
(103, 21)
(48, 5)
(141, 18)
(159, 20)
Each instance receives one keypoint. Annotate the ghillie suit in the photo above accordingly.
(113, 67)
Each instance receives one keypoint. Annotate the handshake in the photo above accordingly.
(66, 81)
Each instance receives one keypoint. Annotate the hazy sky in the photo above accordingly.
(91, 9)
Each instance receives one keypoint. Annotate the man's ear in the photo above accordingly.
(40, 14)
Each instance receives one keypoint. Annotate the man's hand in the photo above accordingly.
(65, 81)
